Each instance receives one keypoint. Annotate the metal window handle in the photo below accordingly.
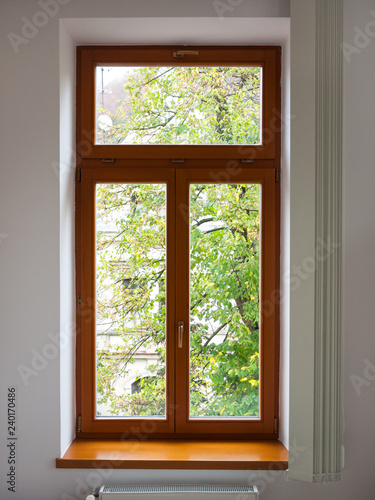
(180, 326)
(180, 54)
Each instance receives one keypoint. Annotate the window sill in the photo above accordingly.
(163, 454)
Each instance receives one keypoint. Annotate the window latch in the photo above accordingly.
(180, 328)
(180, 54)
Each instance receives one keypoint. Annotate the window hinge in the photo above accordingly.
(178, 160)
(78, 174)
(247, 160)
(79, 300)
(79, 423)
(276, 425)
(108, 160)
(180, 54)
(277, 175)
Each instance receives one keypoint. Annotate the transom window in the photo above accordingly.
(178, 241)
(178, 105)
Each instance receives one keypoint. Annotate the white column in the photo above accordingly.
(315, 283)
(329, 101)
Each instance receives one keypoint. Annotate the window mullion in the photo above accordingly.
(182, 299)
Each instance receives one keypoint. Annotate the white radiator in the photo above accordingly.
(178, 492)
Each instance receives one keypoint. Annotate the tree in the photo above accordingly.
(187, 105)
(224, 253)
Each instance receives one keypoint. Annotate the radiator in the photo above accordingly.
(178, 492)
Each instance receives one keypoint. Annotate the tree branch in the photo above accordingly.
(155, 78)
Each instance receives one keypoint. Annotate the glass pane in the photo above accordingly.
(130, 299)
(224, 300)
(178, 105)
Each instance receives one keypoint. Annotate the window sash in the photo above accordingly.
(177, 360)
(86, 313)
(90, 57)
(268, 335)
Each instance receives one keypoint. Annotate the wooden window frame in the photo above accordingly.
(90, 57)
(152, 163)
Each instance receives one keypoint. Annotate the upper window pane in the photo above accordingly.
(178, 105)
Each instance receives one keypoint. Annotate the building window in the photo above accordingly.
(178, 240)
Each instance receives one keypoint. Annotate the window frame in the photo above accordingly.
(153, 162)
(268, 57)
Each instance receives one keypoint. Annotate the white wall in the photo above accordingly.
(30, 225)
(359, 242)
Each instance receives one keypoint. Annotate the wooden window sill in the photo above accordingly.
(163, 454)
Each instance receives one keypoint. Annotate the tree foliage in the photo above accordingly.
(224, 249)
(187, 105)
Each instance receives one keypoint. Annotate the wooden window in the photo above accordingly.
(178, 241)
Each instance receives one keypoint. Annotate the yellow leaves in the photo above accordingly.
(252, 382)
(254, 356)
(212, 360)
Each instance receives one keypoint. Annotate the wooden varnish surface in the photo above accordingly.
(155, 454)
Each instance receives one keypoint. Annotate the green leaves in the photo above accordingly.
(131, 296)
(186, 105)
(225, 288)
(224, 299)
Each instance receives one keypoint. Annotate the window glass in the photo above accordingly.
(178, 105)
(130, 299)
(224, 300)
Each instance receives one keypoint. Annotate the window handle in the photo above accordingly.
(180, 54)
(180, 326)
